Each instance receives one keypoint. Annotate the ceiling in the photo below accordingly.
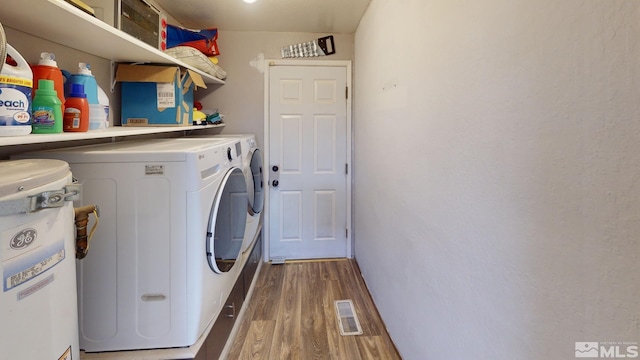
(315, 16)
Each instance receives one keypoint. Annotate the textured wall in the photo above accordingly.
(497, 194)
(241, 99)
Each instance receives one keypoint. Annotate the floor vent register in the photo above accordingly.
(347, 318)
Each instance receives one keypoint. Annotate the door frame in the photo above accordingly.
(269, 63)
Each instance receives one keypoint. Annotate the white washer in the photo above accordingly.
(38, 309)
(153, 277)
(252, 167)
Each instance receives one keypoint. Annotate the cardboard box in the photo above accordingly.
(155, 95)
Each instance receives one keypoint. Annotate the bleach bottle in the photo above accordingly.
(16, 82)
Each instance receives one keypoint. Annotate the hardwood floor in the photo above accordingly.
(291, 315)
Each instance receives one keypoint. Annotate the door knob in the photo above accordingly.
(275, 175)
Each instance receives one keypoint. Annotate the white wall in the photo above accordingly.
(498, 174)
(241, 99)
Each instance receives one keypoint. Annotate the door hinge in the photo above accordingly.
(346, 93)
(346, 169)
(346, 233)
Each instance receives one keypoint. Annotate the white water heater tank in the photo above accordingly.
(38, 300)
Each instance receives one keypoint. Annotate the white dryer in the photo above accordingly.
(155, 277)
(252, 167)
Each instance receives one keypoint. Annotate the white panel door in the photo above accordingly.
(308, 158)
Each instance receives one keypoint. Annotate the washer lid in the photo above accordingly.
(29, 174)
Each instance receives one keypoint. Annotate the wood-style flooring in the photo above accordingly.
(291, 315)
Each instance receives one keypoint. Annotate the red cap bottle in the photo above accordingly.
(76, 110)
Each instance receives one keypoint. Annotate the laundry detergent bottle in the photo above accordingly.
(76, 110)
(46, 109)
(16, 81)
(85, 77)
(47, 68)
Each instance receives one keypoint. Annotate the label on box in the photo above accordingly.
(137, 121)
(166, 95)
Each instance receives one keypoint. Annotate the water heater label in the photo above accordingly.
(32, 248)
(29, 270)
(34, 288)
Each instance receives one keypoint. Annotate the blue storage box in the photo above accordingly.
(154, 95)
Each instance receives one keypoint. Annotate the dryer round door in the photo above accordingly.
(256, 193)
(227, 220)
